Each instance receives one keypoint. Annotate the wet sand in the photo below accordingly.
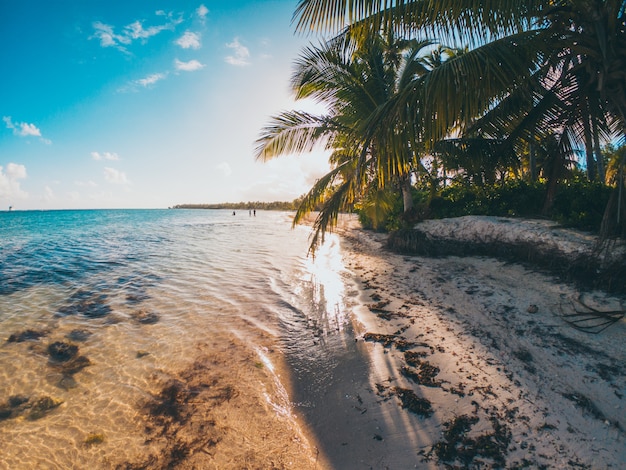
(472, 365)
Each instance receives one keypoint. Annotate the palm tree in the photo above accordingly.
(566, 56)
(359, 79)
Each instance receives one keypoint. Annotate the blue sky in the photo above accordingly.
(145, 103)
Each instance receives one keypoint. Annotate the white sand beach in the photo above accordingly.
(473, 365)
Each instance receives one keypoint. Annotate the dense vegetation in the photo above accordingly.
(578, 203)
(518, 108)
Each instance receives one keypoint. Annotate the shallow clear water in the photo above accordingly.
(141, 293)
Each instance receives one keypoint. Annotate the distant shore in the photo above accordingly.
(250, 205)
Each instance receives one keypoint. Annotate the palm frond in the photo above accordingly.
(453, 20)
(292, 132)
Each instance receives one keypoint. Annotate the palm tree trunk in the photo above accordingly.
(596, 145)
(407, 196)
(591, 163)
(532, 159)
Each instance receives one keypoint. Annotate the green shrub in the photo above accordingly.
(578, 203)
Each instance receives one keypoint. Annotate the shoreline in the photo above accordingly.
(471, 363)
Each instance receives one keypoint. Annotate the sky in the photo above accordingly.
(146, 103)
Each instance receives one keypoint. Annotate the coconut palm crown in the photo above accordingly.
(359, 80)
(565, 60)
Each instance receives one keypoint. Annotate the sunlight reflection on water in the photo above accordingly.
(327, 273)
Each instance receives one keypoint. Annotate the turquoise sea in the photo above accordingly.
(100, 308)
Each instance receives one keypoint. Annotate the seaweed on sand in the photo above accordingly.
(182, 416)
(585, 404)
(87, 304)
(62, 352)
(458, 446)
(145, 318)
(27, 335)
(15, 405)
(420, 372)
(65, 359)
(94, 439)
(170, 404)
(403, 345)
(409, 400)
(387, 341)
(527, 358)
(42, 407)
(424, 374)
(19, 405)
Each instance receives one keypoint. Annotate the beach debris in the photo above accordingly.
(379, 305)
(585, 404)
(41, 407)
(183, 405)
(412, 356)
(403, 345)
(86, 303)
(61, 351)
(170, 404)
(589, 319)
(382, 313)
(94, 439)
(79, 335)
(532, 308)
(27, 335)
(14, 406)
(74, 366)
(458, 446)
(415, 404)
(145, 318)
(385, 340)
(18, 405)
(64, 358)
(420, 372)
(526, 357)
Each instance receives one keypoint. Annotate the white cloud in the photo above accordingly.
(107, 36)
(146, 82)
(9, 181)
(202, 11)
(151, 79)
(111, 175)
(28, 129)
(190, 66)
(225, 168)
(241, 54)
(136, 30)
(24, 129)
(189, 40)
(105, 156)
